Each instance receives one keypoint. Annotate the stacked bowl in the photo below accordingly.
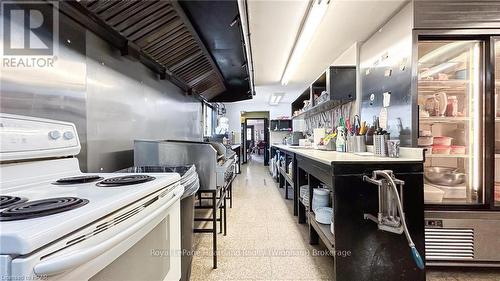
(324, 215)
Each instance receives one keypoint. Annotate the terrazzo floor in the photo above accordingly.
(265, 242)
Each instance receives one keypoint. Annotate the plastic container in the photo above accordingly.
(425, 133)
(425, 141)
(432, 194)
(454, 192)
(321, 198)
(452, 107)
(442, 141)
(441, 149)
(457, 149)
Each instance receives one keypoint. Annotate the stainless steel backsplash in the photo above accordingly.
(112, 99)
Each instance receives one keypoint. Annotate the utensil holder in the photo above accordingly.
(393, 148)
(359, 144)
(350, 143)
(379, 145)
(369, 139)
(356, 144)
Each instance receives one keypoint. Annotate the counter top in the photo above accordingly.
(408, 154)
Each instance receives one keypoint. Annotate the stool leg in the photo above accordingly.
(225, 218)
(220, 214)
(214, 229)
(231, 195)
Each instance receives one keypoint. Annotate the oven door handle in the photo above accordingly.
(72, 259)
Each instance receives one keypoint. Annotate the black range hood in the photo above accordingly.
(190, 43)
(217, 23)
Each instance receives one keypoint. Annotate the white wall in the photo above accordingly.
(348, 57)
(234, 109)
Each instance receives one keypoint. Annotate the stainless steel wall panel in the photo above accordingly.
(204, 156)
(56, 92)
(111, 99)
(457, 14)
(386, 66)
(126, 101)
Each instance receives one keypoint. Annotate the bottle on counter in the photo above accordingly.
(341, 139)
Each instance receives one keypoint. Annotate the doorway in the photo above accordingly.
(256, 140)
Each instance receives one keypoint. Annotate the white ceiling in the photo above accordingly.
(274, 25)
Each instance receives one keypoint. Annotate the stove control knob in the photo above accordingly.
(68, 135)
(54, 135)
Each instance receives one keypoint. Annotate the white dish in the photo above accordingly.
(323, 215)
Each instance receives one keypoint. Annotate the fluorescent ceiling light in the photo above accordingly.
(314, 17)
(276, 98)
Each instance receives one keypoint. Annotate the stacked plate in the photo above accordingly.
(304, 190)
(331, 225)
(321, 198)
(324, 215)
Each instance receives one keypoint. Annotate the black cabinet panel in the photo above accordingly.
(342, 84)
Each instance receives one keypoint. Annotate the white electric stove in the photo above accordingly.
(59, 223)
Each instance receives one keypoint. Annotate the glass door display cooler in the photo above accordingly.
(496, 116)
(459, 126)
(450, 102)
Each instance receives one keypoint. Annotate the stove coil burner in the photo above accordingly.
(77, 180)
(125, 180)
(41, 208)
(7, 201)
